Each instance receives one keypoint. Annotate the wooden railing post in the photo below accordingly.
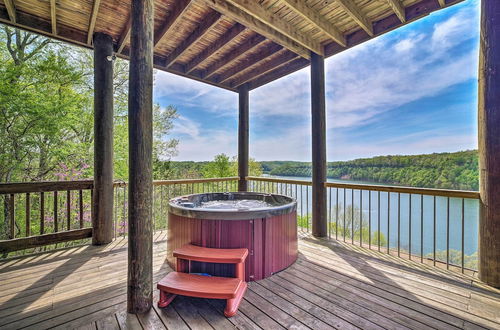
(140, 110)
(243, 125)
(102, 217)
(489, 143)
(318, 112)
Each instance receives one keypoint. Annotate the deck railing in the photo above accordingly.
(433, 226)
(41, 213)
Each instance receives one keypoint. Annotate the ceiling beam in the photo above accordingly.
(265, 25)
(230, 34)
(442, 3)
(11, 10)
(352, 10)
(279, 72)
(398, 9)
(179, 8)
(201, 30)
(233, 55)
(53, 16)
(286, 57)
(124, 37)
(93, 18)
(250, 62)
(313, 17)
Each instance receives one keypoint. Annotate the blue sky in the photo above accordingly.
(410, 91)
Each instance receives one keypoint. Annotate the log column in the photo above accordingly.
(140, 231)
(318, 112)
(243, 125)
(489, 143)
(102, 216)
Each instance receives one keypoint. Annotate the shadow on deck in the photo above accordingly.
(332, 285)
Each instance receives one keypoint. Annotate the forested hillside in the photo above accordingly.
(458, 170)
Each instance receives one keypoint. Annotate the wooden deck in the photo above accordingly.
(331, 285)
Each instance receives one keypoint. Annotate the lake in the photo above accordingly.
(394, 206)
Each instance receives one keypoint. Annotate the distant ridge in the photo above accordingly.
(448, 170)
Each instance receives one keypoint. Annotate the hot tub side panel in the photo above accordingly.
(271, 242)
(280, 243)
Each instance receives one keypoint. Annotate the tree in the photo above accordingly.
(220, 167)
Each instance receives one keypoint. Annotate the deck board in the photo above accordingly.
(332, 285)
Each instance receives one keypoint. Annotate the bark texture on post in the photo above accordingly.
(140, 235)
(243, 125)
(489, 143)
(102, 216)
(318, 112)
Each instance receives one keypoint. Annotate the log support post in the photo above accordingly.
(318, 116)
(140, 116)
(489, 143)
(102, 216)
(243, 125)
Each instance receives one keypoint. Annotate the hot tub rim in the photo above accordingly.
(218, 214)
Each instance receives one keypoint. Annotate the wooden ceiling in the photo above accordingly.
(227, 43)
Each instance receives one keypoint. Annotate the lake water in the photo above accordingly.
(394, 209)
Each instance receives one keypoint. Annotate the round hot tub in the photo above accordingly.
(265, 224)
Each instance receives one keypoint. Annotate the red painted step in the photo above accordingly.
(203, 254)
(201, 286)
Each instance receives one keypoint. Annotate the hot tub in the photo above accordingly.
(265, 224)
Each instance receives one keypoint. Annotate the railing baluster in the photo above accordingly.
(409, 226)
(421, 228)
(399, 224)
(463, 234)
(388, 222)
(307, 207)
(369, 219)
(42, 213)
(360, 217)
(337, 215)
(434, 245)
(344, 212)
(12, 210)
(330, 213)
(352, 216)
(28, 222)
(68, 209)
(448, 233)
(378, 219)
(56, 225)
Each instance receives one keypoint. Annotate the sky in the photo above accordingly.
(410, 91)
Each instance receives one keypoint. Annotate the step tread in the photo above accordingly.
(200, 286)
(204, 254)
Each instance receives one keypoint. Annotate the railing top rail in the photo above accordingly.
(407, 190)
(189, 181)
(275, 180)
(386, 188)
(32, 187)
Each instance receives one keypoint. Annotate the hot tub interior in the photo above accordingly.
(232, 201)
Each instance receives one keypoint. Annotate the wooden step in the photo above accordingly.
(201, 286)
(203, 254)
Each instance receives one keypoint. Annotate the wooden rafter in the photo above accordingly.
(93, 18)
(11, 10)
(352, 9)
(286, 57)
(268, 28)
(398, 9)
(442, 3)
(53, 16)
(232, 33)
(208, 22)
(250, 62)
(279, 72)
(124, 37)
(179, 8)
(234, 55)
(313, 17)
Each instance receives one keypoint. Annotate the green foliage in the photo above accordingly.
(222, 166)
(458, 170)
(346, 226)
(455, 258)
